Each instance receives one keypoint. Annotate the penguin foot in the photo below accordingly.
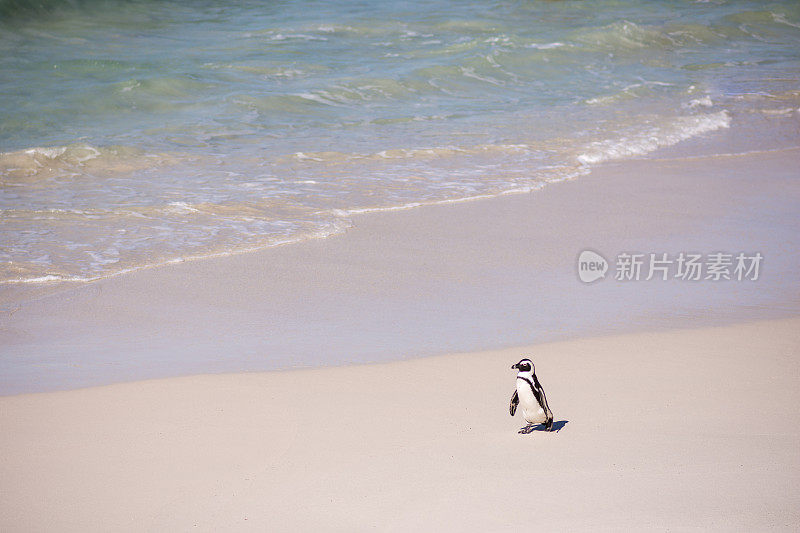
(530, 428)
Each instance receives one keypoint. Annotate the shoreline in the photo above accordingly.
(37, 287)
(650, 424)
(437, 279)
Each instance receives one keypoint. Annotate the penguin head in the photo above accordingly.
(526, 365)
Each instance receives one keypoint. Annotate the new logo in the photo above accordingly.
(591, 266)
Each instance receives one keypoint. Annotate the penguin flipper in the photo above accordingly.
(512, 406)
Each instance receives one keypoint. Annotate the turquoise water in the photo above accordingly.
(133, 134)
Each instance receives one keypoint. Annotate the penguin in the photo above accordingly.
(530, 395)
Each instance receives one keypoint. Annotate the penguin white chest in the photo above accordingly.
(531, 410)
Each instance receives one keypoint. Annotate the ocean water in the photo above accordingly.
(140, 133)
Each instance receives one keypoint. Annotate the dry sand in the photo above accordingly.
(681, 430)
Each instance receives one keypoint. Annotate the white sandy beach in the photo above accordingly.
(681, 430)
(677, 407)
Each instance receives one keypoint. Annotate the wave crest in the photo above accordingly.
(654, 137)
(42, 163)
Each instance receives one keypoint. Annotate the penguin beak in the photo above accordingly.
(515, 366)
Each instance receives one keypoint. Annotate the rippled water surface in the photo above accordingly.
(138, 133)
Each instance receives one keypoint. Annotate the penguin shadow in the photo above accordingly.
(530, 428)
